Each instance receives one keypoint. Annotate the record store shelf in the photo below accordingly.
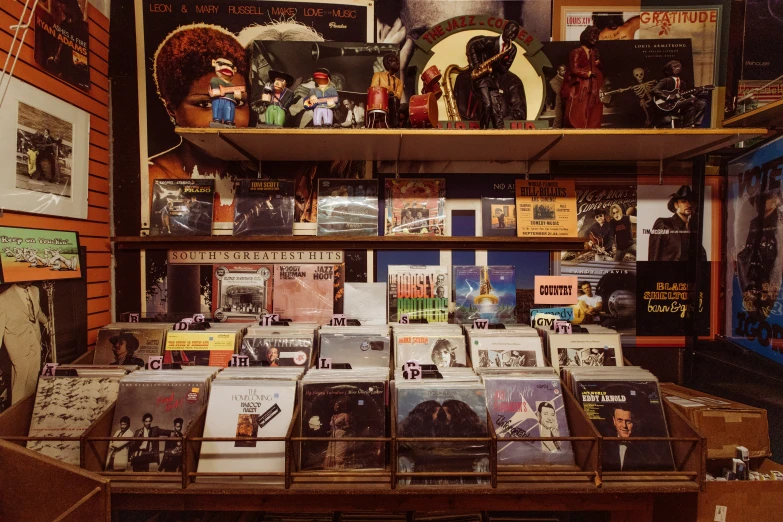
(770, 115)
(406, 242)
(463, 145)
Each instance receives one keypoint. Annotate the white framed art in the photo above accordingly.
(45, 148)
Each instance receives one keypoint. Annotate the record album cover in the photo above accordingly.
(199, 348)
(241, 293)
(264, 207)
(277, 350)
(415, 206)
(128, 345)
(307, 293)
(335, 410)
(529, 408)
(485, 292)
(442, 350)
(501, 351)
(182, 207)
(499, 216)
(585, 350)
(356, 349)
(421, 292)
(347, 207)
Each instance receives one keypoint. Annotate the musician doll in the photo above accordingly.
(582, 84)
(490, 58)
(225, 95)
(389, 80)
(322, 99)
(281, 98)
(691, 110)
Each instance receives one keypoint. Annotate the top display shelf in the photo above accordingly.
(463, 145)
(769, 116)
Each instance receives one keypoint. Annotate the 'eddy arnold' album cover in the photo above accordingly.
(754, 236)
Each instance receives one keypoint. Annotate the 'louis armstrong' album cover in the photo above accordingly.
(279, 349)
(426, 410)
(241, 293)
(153, 410)
(348, 207)
(485, 292)
(529, 408)
(415, 206)
(66, 407)
(264, 207)
(628, 409)
(182, 207)
(335, 410)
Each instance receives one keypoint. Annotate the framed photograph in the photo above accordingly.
(31, 254)
(48, 143)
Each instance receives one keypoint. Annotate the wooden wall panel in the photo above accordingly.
(95, 230)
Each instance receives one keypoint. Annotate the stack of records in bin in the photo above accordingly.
(440, 344)
(247, 403)
(599, 348)
(66, 407)
(94, 370)
(162, 403)
(213, 346)
(129, 343)
(511, 348)
(279, 346)
(528, 403)
(359, 346)
(453, 406)
(343, 403)
(624, 402)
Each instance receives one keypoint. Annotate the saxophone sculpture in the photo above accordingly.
(448, 91)
(484, 68)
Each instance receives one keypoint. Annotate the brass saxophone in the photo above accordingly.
(485, 68)
(448, 91)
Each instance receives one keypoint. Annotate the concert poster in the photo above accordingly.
(232, 26)
(600, 210)
(754, 311)
(546, 208)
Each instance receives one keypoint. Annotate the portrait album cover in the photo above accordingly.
(346, 409)
(499, 216)
(154, 409)
(447, 409)
(66, 407)
(420, 292)
(485, 292)
(627, 409)
(264, 207)
(278, 349)
(585, 349)
(415, 206)
(129, 343)
(444, 350)
(247, 408)
(241, 293)
(529, 407)
(347, 207)
(182, 207)
(357, 345)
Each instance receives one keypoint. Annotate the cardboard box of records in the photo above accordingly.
(726, 424)
(743, 500)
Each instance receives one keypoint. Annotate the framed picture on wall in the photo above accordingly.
(47, 141)
(31, 254)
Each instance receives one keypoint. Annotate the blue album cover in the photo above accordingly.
(485, 292)
(529, 408)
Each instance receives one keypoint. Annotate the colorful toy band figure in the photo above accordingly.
(322, 99)
(225, 95)
(282, 97)
(389, 80)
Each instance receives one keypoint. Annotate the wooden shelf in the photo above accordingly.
(345, 243)
(467, 145)
(769, 116)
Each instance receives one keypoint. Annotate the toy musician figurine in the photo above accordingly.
(690, 109)
(490, 58)
(225, 95)
(582, 84)
(281, 98)
(389, 80)
(322, 99)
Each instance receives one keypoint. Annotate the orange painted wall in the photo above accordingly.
(94, 231)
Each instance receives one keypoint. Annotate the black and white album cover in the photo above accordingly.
(182, 207)
(337, 410)
(348, 207)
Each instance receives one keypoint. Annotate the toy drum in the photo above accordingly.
(431, 75)
(423, 110)
(434, 89)
(377, 108)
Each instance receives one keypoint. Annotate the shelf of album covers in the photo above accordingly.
(462, 145)
(404, 242)
(585, 476)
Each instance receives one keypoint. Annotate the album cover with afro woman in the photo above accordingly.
(442, 410)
